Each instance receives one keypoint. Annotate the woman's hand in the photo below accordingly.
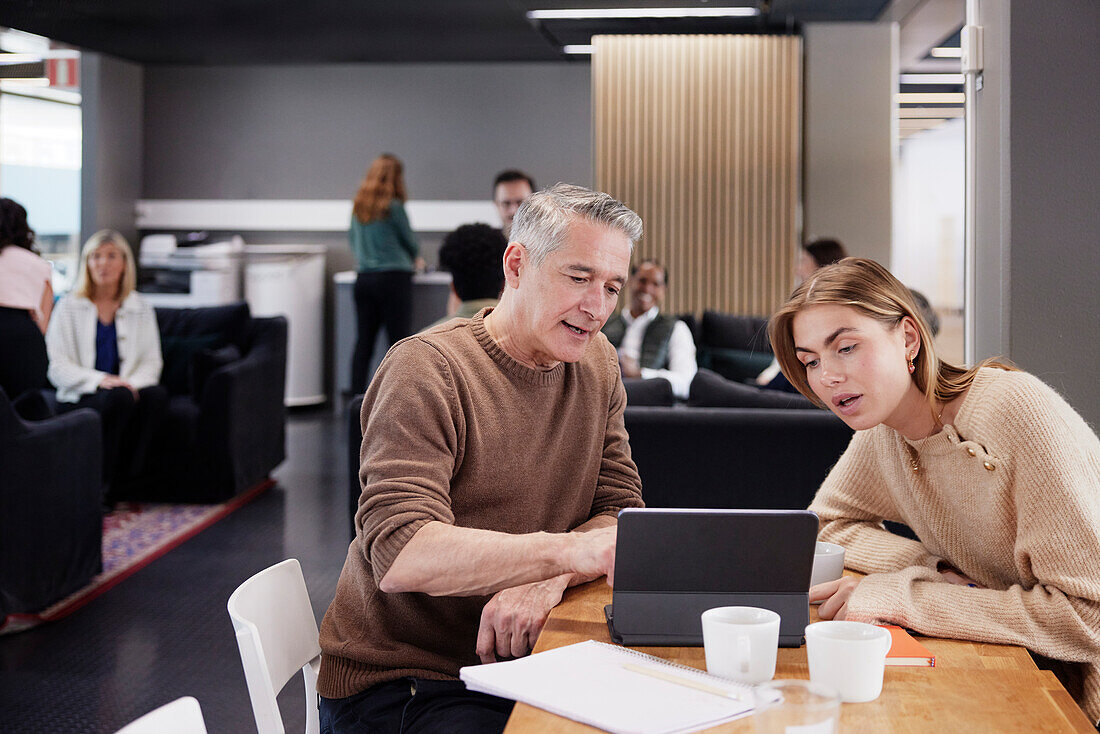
(109, 382)
(952, 575)
(833, 596)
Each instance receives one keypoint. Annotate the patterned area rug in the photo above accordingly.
(135, 535)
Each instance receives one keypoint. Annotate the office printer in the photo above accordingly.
(190, 272)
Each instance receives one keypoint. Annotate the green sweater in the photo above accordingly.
(384, 244)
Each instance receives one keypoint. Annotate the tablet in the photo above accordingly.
(672, 565)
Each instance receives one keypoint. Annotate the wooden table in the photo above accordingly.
(973, 688)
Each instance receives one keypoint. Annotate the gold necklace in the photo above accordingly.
(914, 464)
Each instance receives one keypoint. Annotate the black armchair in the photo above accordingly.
(733, 457)
(735, 347)
(51, 522)
(226, 424)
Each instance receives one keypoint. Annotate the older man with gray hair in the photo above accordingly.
(493, 465)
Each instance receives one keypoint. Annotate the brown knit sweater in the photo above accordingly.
(1009, 495)
(457, 431)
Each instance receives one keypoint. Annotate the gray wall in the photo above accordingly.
(309, 132)
(848, 154)
(111, 166)
(1041, 185)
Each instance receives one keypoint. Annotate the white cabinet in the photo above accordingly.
(289, 280)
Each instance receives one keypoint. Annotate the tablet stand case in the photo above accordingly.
(672, 565)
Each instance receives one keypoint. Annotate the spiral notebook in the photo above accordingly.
(614, 688)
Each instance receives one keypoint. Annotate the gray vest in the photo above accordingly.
(654, 354)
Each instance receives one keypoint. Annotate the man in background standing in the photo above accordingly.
(510, 189)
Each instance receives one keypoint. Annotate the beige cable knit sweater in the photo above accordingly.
(1009, 495)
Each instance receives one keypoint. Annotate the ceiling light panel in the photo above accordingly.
(599, 13)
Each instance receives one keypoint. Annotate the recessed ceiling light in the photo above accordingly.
(588, 13)
(578, 48)
(932, 79)
(947, 52)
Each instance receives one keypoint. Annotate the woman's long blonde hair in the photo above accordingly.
(870, 289)
(384, 182)
(85, 286)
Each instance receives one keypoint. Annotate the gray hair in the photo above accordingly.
(542, 221)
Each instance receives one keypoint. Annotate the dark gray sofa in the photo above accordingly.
(707, 457)
(733, 457)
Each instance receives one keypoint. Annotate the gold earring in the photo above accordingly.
(912, 367)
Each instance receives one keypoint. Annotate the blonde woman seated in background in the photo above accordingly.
(990, 468)
(104, 350)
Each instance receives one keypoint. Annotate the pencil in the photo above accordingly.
(687, 682)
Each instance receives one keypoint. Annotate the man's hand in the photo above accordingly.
(833, 596)
(593, 553)
(629, 367)
(513, 618)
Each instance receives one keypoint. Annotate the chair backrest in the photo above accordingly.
(355, 443)
(733, 331)
(652, 391)
(277, 636)
(182, 716)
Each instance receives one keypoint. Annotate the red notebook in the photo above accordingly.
(907, 651)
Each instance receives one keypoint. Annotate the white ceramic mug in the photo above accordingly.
(828, 563)
(740, 643)
(848, 656)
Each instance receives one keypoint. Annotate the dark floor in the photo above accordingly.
(164, 632)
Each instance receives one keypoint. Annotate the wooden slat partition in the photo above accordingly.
(701, 135)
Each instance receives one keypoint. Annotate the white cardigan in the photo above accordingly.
(70, 343)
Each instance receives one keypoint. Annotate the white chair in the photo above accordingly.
(182, 716)
(277, 636)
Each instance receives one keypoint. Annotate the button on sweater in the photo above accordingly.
(456, 431)
(1009, 495)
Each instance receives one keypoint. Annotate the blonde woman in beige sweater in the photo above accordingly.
(990, 468)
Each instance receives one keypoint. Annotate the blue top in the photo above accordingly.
(384, 244)
(106, 347)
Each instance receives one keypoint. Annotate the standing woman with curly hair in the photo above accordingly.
(995, 474)
(387, 254)
(26, 299)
